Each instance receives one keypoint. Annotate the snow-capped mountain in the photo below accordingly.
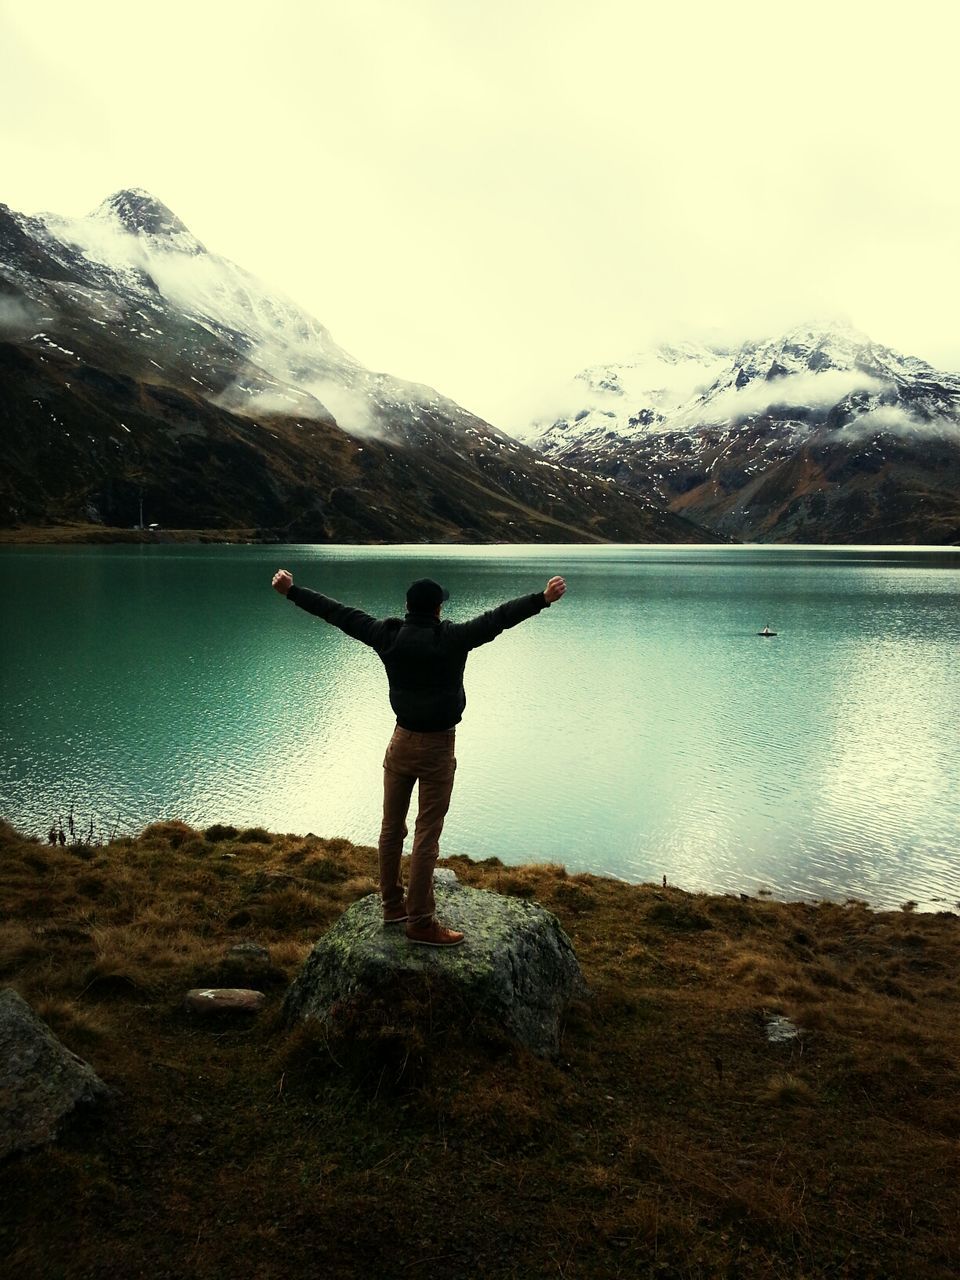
(818, 434)
(133, 360)
(629, 398)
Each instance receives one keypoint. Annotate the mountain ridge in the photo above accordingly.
(135, 361)
(816, 434)
(137, 211)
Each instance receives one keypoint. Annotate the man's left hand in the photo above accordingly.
(554, 590)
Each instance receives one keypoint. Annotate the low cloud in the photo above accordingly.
(537, 409)
(645, 381)
(883, 417)
(254, 402)
(351, 409)
(18, 317)
(658, 383)
(675, 389)
(895, 420)
(809, 390)
(321, 399)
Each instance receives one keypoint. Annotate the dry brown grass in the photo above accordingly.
(669, 1139)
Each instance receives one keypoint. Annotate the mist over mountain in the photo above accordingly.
(136, 363)
(815, 435)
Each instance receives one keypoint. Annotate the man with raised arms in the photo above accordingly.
(425, 659)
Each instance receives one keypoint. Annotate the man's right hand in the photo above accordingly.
(554, 590)
(282, 581)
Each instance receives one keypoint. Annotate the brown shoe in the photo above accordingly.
(433, 934)
(397, 915)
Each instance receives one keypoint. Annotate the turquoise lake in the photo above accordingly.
(638, 728)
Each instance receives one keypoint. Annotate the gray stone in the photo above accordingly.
(41, 1081)
(517, 966)
(246, 965)
(251, 953)
(214, 1001)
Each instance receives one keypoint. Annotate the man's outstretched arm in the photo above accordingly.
(354, 622)
(488, 626)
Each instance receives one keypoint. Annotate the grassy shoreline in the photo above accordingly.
(95, 534)
(670, 1138)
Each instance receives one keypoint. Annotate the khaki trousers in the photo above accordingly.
(427, 758)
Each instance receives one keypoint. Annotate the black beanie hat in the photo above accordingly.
(424, 595)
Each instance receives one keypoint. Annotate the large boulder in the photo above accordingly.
(41, 1081)
(517, 967)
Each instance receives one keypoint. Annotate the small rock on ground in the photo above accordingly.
(213, 1001)
(249, 953)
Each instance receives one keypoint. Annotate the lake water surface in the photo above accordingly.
(639, 728)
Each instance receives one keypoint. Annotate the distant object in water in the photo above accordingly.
(766, 632)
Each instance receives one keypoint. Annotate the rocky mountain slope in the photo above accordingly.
(135, 364)
(818, 435)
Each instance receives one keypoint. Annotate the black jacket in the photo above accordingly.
(424, 657)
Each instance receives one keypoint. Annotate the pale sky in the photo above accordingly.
(487, 195)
